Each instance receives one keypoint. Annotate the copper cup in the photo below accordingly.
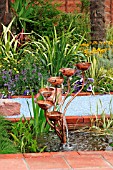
(45, 104)
(67, 71)
(54, 115)
(55, 81)
(83, 66)
(46, 92)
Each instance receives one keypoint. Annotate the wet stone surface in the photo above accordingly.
(78, 141)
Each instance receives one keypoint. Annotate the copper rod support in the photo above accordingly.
(75, 94)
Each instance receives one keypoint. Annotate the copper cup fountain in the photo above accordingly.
(56, 118)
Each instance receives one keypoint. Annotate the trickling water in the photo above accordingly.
(68, 147)
(67, 133)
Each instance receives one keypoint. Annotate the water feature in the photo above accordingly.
(56, 118)
(76, 140)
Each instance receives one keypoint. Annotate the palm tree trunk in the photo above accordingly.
(2, 13)
(5, 15)
(97, 20)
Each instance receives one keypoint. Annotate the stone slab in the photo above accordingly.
(9, 108)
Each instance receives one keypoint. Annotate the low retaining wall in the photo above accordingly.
(74, 122)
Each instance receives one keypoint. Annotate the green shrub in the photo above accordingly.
(80, 24)
(6, 145)
(41, 16)
(37, 15)
(25, 132)
(101, 58)
(19, 65)
(58, 52)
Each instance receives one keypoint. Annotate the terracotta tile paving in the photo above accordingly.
(93, 169)
(73, 153)
(47, 163)
(86, 160)
(10, 156)
(12, 164)
(109, 159)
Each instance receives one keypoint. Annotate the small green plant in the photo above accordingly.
(23, 136)
(22, 10)
(25, 133)
(8, 47)
(103, 122)
(6, 144)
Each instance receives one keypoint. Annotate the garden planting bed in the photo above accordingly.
(80, 138)
(84, 104)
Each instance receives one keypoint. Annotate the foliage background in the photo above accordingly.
(40, 36)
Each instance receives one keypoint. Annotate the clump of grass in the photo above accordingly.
(103, 122)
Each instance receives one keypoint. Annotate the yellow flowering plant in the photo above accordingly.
(100, 54)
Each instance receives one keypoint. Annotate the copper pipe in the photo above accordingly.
(68, 90)
(75, 94)
(55, 98)
(58, 126)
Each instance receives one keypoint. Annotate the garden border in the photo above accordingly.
(74, 122)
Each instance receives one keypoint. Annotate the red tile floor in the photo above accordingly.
(83, 160)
